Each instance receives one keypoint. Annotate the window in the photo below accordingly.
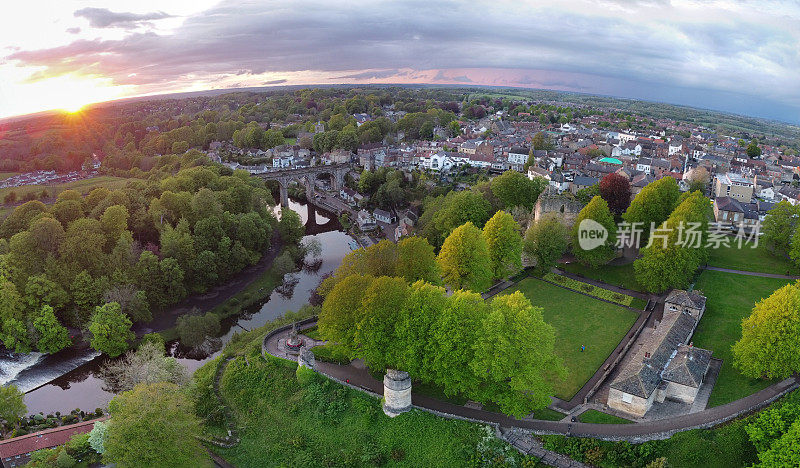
(627, 398)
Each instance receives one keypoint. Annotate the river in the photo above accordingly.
(54, 387)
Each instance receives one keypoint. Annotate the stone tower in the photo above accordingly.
(396, 392)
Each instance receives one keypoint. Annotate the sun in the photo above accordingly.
(73, 108)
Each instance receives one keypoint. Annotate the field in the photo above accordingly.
(730, 298)
(6, 175)
(757, 259)
(621, 275)
(578, 320)
(291, 419)
(598, 417)
(83, 186)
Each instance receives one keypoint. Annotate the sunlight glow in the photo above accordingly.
(69, 93)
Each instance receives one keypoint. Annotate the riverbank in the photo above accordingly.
(68, 385)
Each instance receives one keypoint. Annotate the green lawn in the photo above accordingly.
(6, 175)
(578, 320)
(598, 417)
(291, 419)
(83, 186)
(618, 275)
(747, 258)
(731, 298)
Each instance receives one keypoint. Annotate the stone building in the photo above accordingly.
(666, 366)
(552, 202)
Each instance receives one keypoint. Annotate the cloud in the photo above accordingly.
(105, 18)
(724, 47)
(274, 82)
(73, 30)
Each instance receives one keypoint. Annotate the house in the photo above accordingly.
(17, 451)
(348, 194)
(732, 212)
(666, 365)
(733, 185)
(384, 216)
(582, 182)
(644, 165)
(365, 221)
(518, 155)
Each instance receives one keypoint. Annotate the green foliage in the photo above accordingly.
(443, 214)
(515, 189)
(678, 248)
(779, 227)
(504, 243)
(153, 425)
(464, 259)
(110, 329)
(12, 403)
(52, 336)
(770, 343)
(546, 241)
(653, 205)
(193, 329)
(291, 227)
(596, 210)
(590, 289)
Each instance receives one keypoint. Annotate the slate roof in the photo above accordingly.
(642, 375)
(585, 181)
(688, 366)
(686, 298)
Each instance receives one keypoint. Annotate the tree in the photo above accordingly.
(422, 307)
(51, 335)
(98, 437)
(540, 141)
(598, 212)
(698, 180)
(443, 214)
(504, 243)
(341, 310)
(146, 365)
(416, 260)
(515, 189)
(379, 315)
(464, 259)
(193, 329)
(153, 425)
(616, 191)
(12, 404)
(753, 150)
(678, 248)
(291, 227)
(770, 343)
(452, 337)
(514, 356)
(546, 241)
(110, 329)
(653, 205)
(779, 226)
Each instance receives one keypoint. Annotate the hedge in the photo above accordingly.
(591, 290)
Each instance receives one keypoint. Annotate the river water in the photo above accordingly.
(68, 380)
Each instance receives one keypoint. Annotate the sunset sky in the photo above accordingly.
(732, 55)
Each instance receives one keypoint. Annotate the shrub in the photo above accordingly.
(600, 293)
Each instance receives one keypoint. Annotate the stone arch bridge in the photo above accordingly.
(307, 176)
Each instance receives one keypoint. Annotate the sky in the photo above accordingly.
(739, 56)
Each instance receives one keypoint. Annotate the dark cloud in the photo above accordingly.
(73, 30)
(105, 18)
(273, 82)
(604, 55)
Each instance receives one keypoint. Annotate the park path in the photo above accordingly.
(357, 376)
(751, 273)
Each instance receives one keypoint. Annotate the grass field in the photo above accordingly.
(83, 186)
(291, 419)
(578, 320)
(731, 297)
(621, 275)
(6, 175)
(598, 417)
(747, 258)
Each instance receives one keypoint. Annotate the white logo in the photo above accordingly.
(591, 234)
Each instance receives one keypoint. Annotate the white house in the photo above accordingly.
(384, 216)
(518, 155)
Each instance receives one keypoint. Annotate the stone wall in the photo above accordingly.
(560, 204)
(637, 407)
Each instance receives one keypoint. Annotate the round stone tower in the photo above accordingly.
(396, 392)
